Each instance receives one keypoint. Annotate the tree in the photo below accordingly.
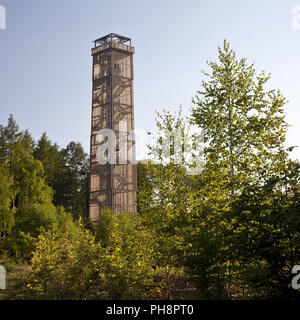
(76, 180)
(6, 214)
(166, 197)
(28, 141)
(8, 135)
(49, 154)
(144, 186)
(26, 200)
(264, 237)
(243, 124)
(66, 172)
(244, 133)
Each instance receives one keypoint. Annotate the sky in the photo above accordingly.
(46, 63)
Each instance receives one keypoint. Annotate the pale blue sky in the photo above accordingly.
(45, 62)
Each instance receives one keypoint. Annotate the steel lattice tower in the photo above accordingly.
(113, 185)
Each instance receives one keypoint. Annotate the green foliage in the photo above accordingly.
(264, 238)
(244, 131)
(72, 264)
(230, 230)
(221, 244)
(66, 172)
(6, 214)
(131, 255)
(66, 264)
(8, 135)
(25, 198)
(145, 186)
(49, 154)
(243, 124)
(76, 179)
(35, 216)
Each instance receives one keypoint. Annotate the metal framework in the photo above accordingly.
(112, 37)
(112, 185)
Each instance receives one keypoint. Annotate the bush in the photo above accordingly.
(71, 264)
